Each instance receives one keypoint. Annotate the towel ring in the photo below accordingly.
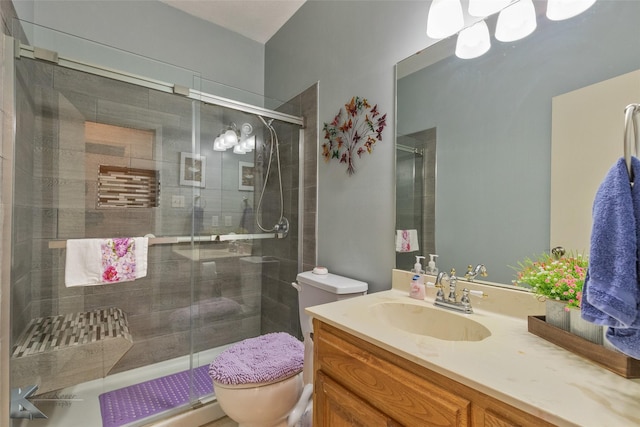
(631, 135)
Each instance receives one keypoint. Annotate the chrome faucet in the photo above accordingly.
(473, 272)
(451, 302)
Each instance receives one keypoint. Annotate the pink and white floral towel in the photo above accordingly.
(407, 241)
(102, 261)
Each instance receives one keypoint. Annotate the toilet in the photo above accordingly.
(260, 381)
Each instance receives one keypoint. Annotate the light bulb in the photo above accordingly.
(473, 41)
(250, 142)
(444, 19)
(230, 138)
(245, 146)
(484, 8)
(218, 144)
(238, 149)
(516, 21)
(557, 10)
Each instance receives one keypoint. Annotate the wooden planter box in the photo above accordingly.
(614, 361)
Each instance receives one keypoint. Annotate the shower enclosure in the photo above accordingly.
(415, 193)
(103, 154)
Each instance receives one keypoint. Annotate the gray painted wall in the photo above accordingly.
(154, 30)
(351, 48)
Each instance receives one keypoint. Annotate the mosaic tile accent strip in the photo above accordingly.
(139, 401)
(57, 332)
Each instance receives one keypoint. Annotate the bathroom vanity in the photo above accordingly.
(375, 365)
(358, 383)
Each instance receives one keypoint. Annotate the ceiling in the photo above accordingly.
(255, 19)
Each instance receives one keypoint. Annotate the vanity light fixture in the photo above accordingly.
(241, 141)
(473, 41)
(444, 19)
(516, 21)
(557, 10)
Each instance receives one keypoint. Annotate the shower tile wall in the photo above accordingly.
(279, 298)
(54, 187)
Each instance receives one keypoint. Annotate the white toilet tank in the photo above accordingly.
(316, 289)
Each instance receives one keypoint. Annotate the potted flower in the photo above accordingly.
(557, 279)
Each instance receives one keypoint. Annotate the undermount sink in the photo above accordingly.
(429, 321)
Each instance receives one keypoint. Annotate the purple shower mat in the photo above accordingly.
(139, 401)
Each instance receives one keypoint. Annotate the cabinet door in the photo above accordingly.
(410, 399)
(335, 406)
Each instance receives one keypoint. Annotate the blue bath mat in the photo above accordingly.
(136, 402)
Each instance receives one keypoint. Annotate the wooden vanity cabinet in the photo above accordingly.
(359, 384)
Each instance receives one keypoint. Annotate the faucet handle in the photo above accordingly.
(475, 293)
(483, 271)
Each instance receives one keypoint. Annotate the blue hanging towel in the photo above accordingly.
(611, 294)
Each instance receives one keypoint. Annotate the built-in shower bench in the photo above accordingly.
(59, 351)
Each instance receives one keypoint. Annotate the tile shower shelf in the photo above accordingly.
(59, 351)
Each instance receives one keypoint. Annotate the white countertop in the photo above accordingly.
(512, 365)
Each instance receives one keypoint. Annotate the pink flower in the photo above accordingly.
(121, 245)
(110, 274)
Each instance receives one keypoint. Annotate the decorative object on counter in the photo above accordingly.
(552, 277)
(583, 328)
(556, 314)
(354, 130)
(611, 360)
(556, 279)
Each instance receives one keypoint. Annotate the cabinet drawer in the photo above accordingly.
(338, 407)
(405, 397)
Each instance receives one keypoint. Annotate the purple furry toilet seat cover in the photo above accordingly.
(262, 359)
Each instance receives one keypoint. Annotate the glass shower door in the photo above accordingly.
(98, 158)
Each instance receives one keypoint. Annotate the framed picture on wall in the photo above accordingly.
(192, 168)
(245, 176)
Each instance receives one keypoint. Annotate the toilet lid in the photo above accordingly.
(262, 359)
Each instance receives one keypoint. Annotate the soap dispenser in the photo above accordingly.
(431, 267)
(416, 289)
(417, 267)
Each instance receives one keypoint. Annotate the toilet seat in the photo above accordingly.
(262, 360)
(252, 385)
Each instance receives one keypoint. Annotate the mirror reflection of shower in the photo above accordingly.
(281, 227)
(415, 191)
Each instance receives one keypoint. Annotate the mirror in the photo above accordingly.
(491, 118)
